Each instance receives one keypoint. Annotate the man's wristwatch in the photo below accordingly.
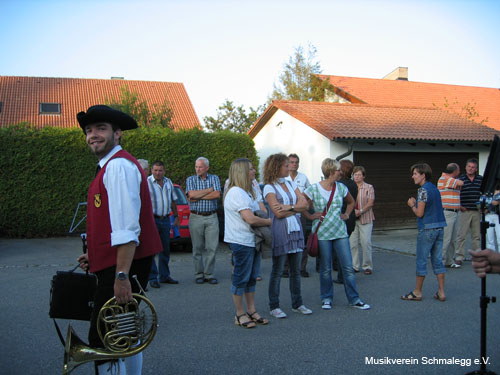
(122, 275)
(293, 208)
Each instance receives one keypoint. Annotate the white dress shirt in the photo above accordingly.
(122, 180)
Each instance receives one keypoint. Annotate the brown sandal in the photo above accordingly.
(259, 320)
(249, 324)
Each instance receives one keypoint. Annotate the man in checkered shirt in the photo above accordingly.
(203, 191)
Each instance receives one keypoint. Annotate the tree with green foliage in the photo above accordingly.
(232, 118)
(156, 115)
(299, 79)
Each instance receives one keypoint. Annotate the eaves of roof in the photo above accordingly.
(342, 122)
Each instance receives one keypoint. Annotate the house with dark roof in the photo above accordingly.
(385, 139)
(44, 101)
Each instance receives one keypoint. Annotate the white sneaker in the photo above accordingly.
(278, 313)
(362, 306)
(303, 310)
(327, 305)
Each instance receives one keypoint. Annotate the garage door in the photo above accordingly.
(389, 173)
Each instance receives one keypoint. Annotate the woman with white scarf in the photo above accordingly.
(285, 201)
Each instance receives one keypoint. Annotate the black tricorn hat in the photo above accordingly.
(103, 113)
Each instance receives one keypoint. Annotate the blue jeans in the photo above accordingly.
(163, 226)
(430, 241)
(294, 260)
(246, 266)
(344, 259)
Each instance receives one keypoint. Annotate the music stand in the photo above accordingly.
(491, 179)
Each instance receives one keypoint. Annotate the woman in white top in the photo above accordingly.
(239, 200)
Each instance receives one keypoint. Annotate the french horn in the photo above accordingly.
(125, 330)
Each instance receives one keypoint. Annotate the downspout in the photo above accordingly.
(347, 153)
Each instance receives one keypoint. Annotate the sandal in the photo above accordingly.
(436, 296)
(411, 297)
(259, 320)
(248, 324)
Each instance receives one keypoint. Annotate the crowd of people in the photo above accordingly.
(128, 225)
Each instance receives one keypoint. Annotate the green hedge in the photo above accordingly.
(46, 172)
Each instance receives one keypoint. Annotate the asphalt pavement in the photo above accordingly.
(197, 334)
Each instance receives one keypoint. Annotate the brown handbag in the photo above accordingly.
(312, 246)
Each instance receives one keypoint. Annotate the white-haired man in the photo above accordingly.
(203, 190)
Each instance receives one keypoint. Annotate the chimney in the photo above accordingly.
(398, 74)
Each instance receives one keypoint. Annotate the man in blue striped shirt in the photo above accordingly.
(163, 199)
(469, 217)
(203, 191)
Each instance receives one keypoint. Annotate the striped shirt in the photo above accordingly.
(365, 193)
(197, 183)
(471, 191)
(450, 192)
(161, 197)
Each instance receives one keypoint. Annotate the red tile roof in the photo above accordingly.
(21, 96)
(367, 122)
(485, 100)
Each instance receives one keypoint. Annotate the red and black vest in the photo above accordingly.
(101, 254)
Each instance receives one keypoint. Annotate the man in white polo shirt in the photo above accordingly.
(302, 182)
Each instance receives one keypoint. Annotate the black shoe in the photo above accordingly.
(200, 280)
(169, 281)
(285, 274)
(212, 280)
(304, 274)
(154, 284)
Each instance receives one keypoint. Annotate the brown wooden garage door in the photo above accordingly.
(389, 173)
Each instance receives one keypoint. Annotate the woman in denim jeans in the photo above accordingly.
(285, 200)
(430, 222)
(332, 233)
(239, 199)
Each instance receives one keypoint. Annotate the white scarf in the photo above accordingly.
(292, 224)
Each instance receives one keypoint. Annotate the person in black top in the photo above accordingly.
(469, 217)
(346, 167)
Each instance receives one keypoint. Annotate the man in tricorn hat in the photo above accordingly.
(121, 233)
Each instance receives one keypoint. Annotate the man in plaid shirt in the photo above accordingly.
(203, 191)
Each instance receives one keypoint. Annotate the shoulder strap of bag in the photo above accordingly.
(327, 206)
(59, 333)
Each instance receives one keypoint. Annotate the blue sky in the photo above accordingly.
(236, 49)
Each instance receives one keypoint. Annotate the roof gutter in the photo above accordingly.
(347, 153)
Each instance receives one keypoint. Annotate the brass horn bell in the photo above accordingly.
(125, 330)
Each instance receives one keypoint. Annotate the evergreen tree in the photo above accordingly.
(299, 79)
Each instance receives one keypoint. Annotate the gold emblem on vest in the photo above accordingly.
(97, 200)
